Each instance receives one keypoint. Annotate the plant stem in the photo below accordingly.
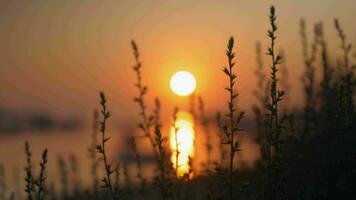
(101, 148)
(140, 99)
(233, 123)
(29, 175)
(176, 129)
(42, 177)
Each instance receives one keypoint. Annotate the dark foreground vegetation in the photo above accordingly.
(308, 154)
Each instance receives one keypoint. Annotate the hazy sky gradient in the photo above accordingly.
(56, 55)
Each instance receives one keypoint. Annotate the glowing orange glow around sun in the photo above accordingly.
(185, 137)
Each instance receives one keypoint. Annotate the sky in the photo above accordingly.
(55, 56)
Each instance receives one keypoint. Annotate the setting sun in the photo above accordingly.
(183, 83)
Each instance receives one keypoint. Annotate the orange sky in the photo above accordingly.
(57, 55)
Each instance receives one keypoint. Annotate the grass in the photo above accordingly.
(312, 157)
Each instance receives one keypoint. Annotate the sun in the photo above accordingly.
(183, 83)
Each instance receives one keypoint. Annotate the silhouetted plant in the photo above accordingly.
(259, 72)
(345, 105)
(51, 192)
(274, 126)
(74, 166)
(192, 107)
(188, 187)
(176, 142)
(3, 185)
(232, 128)
(101, 149)
(262, 96)
(192, 111)
(188, 174)
(63, 172)
(147, 121)
(92, 153)
(163, 179)
(221, 135)
(17, 183)
(284, 79)
(128, 181)
(346, 118)
(12, 196)
(327, 93)
(261, 93)
(205, 124)
(157, 112)
(29, 175)
(308, 80)
(326, 69)
(41, 181)
(117, 179)
(139, 167)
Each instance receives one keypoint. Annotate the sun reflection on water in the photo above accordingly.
(185, 137)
